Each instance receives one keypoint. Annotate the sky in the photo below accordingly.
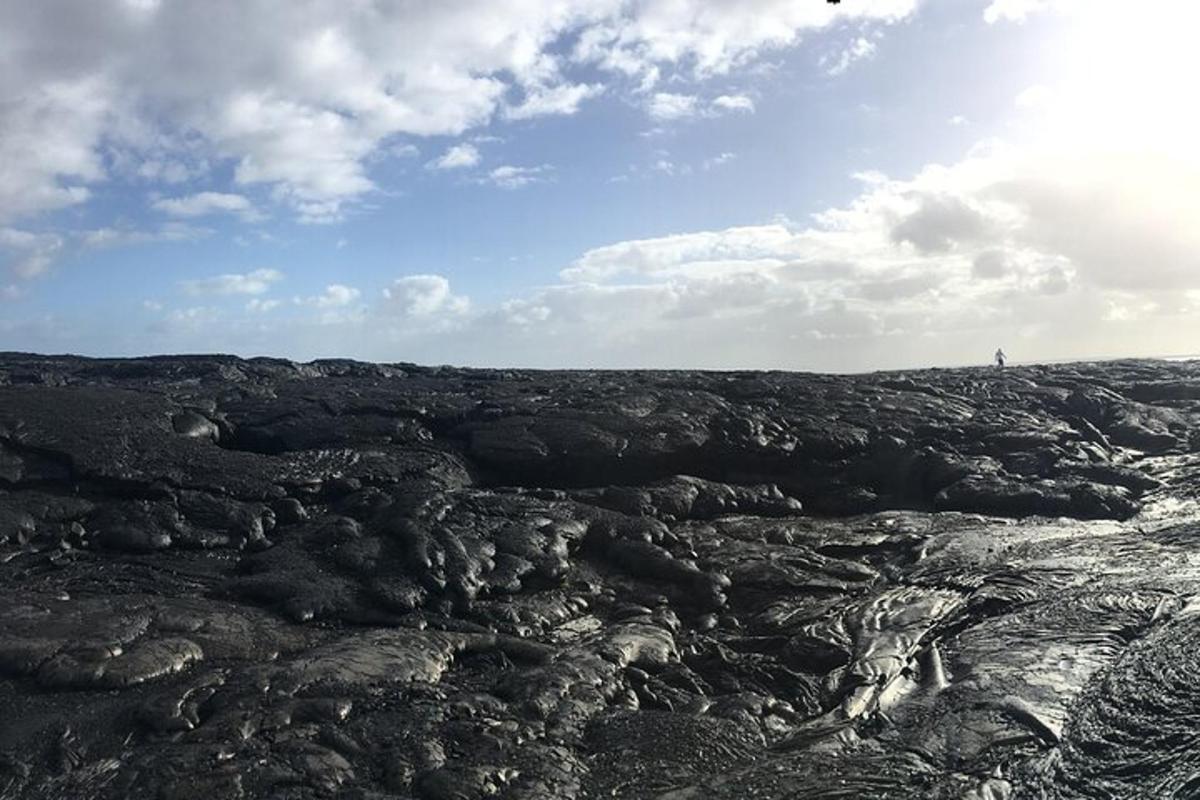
(727, 184)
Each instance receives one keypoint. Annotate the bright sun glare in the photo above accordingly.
(1130, 79)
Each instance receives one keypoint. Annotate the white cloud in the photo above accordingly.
(205, 203)
(937, 223)
(734, 102)
(717, 160)
(337, 306)
(311, 156)
(299, 98)
(29, 254)
(257, 282)
(47, 145)
(457, 157)
(666, 106)
(423, 296)
(173, 231)
(194, 319)
(512, 177)
(1011, 10)
(860, 49)
(991, 264)
(563, 99)
(714, 38)
(336, 295)
(665, 165)
(258, 305)
(169, 170)
(669, 255)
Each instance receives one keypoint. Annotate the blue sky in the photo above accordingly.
(614, 183)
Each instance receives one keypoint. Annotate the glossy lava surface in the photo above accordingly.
(227, 578)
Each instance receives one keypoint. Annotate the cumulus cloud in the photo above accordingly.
(734, 102)
(668, 167)
(336, 295)
(173, 231)
(512, 177)
(717, 160)
(423, 296)
(193, 319)
(1127, 221)
(259, 305)
(990, 264)
(1050, 249)
(941, 222)
(713, 38)
(298, 98)
(670, 106)
(666, 106)
(50, 129)
(899, 288)
(1011, 10)
(257, 282)
(543, 101)
(457, 157)
(27, 254)
(722, 295)
(405, 150)
(168, 170)
(860, 49)
(205, 203)
(668, 255)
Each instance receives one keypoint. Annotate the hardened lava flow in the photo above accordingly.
(231, 578)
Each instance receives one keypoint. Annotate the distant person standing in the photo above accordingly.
(1000, 358)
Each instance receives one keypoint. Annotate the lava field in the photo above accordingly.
(229, 578)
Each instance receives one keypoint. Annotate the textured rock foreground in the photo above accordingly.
(229, 578)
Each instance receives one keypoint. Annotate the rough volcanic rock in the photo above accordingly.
(256, 578)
